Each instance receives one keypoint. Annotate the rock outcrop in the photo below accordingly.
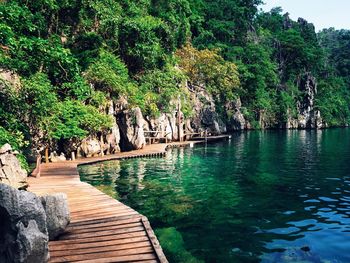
(54, 157)
(57, 214)
(113, 138)
(131, 126)
(32, 244)
(236, 120)
(28, 222)
(89, 147)
(11, 172)
(23, 231)
(206, 116)
(308, 117)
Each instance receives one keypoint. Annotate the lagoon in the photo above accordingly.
(263, 196)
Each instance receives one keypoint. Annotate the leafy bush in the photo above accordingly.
(208, 69)
(17, 142)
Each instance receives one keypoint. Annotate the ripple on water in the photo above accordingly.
(327, 199)
(312, 201)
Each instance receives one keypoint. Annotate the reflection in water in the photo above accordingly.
(270, 196)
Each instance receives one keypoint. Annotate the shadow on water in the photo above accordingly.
(264, 196)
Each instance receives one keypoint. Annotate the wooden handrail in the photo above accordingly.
(37, 170)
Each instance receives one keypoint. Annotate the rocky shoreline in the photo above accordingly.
(28, 222)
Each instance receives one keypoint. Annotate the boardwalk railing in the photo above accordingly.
(36, 171)
(153, 136)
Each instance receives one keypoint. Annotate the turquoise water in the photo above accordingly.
(263, 196)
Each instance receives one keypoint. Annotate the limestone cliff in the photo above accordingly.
(307, 116)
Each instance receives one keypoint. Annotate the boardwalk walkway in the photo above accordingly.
(102, 229)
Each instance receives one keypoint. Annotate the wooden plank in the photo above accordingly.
(95, 256)
(80, 251)
(60, 247)
(102, 233)
(154, 241)
(107, 223)
(98, 229)
(131, 258)
(69, 242)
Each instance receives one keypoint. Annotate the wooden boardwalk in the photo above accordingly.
(102, 229)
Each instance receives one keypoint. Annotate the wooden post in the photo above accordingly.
(179, 118)
(46, 155)
(73, 156)
(102, 145)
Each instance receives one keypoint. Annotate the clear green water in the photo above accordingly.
(270, 196)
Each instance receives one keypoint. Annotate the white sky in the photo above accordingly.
(322, 13)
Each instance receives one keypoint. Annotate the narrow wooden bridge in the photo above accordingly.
(102, 229)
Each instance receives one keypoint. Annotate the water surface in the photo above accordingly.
(263, 196)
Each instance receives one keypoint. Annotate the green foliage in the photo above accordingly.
(333, 101)
(161, 90)
(109, 74)
(75, 56)
(17, 142)
(207, 68)
(16, 139)
(39, 102)
(144, 42)
(74, 120)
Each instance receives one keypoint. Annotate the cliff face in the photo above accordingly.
(132, 130)
(308, 117)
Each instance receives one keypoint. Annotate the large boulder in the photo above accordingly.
(32, 244)
(205, 115)
(54, 157)
(57, 214)
(113, 138)
(11, 172)
(89, 147)
(23, 231)
(235, 118)
(131, 125)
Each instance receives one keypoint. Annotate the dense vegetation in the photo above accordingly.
(74, 56)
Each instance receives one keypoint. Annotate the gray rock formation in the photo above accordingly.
(206, 117)
(89, 147)
(131, 126)
(11, 172)
(57, 214)
(308, 117)
(23, 231)
(32, 244)
(54, 157)
(164, 124)
(236, 120)
(113, 138)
